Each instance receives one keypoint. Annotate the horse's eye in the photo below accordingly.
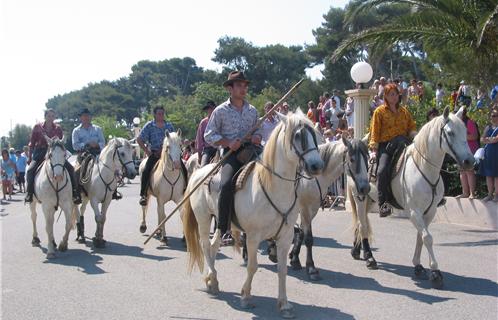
(352, 159)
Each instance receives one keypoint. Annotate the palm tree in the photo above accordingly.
(459, 34)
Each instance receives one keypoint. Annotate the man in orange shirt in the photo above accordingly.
(391, 124)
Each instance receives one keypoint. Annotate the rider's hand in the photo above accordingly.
(256, 139)
(148, 152)
(234, 145)
(373, 156)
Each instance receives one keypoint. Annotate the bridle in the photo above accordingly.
(172, 184)
(123, 164)
(347, 164)
(304, 141)
(52, 167)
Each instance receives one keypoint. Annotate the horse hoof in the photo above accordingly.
(35, 241)
(436, 278)
(81, 240)
(273, 258)
(99, 243)
(420, 272)
(164, 240)
(143, 229)
(54, 244)
(51, 255)
(355, 254)
(372, 264)
(245, 303)
(62, 247)
(212, 288)
(296, 265)
(287, 314)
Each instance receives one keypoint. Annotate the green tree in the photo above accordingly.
(458, 35)
(111, 127)
(20, 136)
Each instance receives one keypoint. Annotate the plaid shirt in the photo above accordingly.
(37, 135)
(226, 122)
(153, 135)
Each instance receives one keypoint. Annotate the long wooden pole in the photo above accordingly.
(246, 137)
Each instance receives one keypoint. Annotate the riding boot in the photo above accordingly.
(225, 199)
(30, 180)
(116, 195)
(149, 165)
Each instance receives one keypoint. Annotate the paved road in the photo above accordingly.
(128, 280)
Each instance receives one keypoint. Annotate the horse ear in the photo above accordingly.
(446, 113)
(179, 132)
(460, 112)
(346, 142)
(49, 140)
(366, 138)
(299, 112)
(281, 116)
(167, 134)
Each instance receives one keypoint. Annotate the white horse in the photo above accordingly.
(350, 157)
(265, 206)
(101, 184)
(53, 189)
(192, 164)
(418, 187)
(167, 181)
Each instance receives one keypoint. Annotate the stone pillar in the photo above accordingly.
(362, 98)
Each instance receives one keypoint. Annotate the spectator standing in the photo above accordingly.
(413, 92)
(380, 90)
(464, 94)
(488, 166)
(269, 124)
(21, 162)
(321, 114)
(205, 152)
(312, 113)
(8, 171)
(439, 95)
(468, 177)
(421, 90)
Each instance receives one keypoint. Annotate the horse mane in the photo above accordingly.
(421, 140)
(56, 142)
(268, 156)
(173, 138)
(327, 150)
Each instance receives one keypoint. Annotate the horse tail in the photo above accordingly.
(191, 232)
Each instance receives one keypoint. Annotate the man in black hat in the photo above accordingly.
(226, 127)
(88, 141)
(205, 152)
(37, 150)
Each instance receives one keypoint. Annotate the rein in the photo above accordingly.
(56, 187)
(123, 164)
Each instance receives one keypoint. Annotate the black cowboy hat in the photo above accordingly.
(84, 111)
(209, 104)
(235, 76)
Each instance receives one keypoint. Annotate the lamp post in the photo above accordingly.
(136, 133)
(361, 73)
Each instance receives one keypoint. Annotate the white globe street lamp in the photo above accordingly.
(361, 73)
(136, 121)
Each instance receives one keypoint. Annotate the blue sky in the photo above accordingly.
(52, 47)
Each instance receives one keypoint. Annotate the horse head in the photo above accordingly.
(302, 138)
(56, 157)
(172, 148)
(124, 154)
(453, 139)
(357, 164)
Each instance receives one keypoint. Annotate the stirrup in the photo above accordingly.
(76, 199)
(227, 239)
(385, 210)
(117, 195)
(28, 198)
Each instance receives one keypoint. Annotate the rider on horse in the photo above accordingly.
(391, 126)
(37, 150)
(88, 141)
(228, 124)
(153, 134)
(205, 152)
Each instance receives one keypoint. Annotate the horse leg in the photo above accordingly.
(296, 249)
(283, 246)
(160, 217)
(363, 227)
(419, 271)
(49, 212)
(68, 213)
(243, 240)
(252, 267)
(80, 225)
(272, 251)
(98, 240)
(312, 272)
(143, 224)
(209, 250)
(35, 241)
(436, 276)
(356, 249)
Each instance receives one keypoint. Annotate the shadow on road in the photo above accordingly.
(265, 308)
(82, 259)
(119, 249)
(452, 282)
(489, 242)
(349, 281)
(329, 243)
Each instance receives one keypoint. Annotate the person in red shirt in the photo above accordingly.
(37, 150)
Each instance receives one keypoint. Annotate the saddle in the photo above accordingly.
(86, 162)
(238, 182)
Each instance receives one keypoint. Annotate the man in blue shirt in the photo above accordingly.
(152, 134)
(21, 162)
